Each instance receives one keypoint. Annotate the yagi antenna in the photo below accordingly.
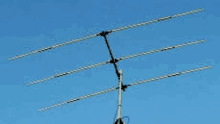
(109, 31)
(125, 86)
(117, 59)
(114, 61)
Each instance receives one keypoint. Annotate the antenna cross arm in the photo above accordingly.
(125, 86)
(116, 60)
(103, 33)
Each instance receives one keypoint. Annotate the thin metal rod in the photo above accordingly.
(98, 34)
(117, 60)
(131, 84)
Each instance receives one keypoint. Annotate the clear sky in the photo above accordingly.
(27, 25)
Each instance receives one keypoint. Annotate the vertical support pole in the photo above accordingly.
(118, 119)
(119, 95)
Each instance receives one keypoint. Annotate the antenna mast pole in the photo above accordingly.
(119, 75)
(118, 119)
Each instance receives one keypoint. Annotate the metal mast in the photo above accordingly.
(118, 119)
(119, 75)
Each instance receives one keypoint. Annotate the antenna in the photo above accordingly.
(114, 61)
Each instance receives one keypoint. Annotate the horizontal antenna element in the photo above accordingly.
(69, 72)
(131, 84)
(160, 50)
(169, 75)
(79, 98)
(97, 34)
(118, 59)
(156, 20)
(52, 47)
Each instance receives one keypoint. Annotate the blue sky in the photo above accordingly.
(28, 25)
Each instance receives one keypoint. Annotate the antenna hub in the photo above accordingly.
(123, 87)
(104, 33)
(114, 61)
